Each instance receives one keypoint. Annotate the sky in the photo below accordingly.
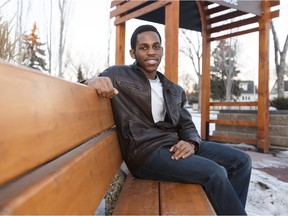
(90, 29)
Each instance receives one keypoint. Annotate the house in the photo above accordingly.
(248, 91)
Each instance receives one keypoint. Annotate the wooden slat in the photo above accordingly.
(275, 14)
(236, 24)
(234, 103)
(274, 3)
(115, 3)
(235, 122)
(184, 199)
(144, 10)
(45, 115)
(235, 34)
(138, 197)
(217, 9)
(124, 8)
(233, 139)
(227, 16)
(73, 184)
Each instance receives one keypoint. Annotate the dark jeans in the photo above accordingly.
(224, 172)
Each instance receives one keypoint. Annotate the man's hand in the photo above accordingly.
(182, 149)
(103, 86)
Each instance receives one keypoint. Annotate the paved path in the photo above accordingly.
(275, 163)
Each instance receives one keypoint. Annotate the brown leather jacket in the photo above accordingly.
(138, 135)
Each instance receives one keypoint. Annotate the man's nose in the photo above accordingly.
(151, 51)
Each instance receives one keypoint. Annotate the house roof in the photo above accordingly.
(251, 88)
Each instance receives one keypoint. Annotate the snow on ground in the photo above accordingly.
(267, 195)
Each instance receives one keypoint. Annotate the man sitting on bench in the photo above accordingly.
(157, 136)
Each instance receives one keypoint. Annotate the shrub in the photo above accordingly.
(280, 103)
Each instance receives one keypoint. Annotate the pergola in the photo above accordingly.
(208, 18)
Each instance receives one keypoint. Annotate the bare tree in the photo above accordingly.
(231, 72)
(280, 61)
(194, 52)
(4, 3)
(64, 9)
(49, 36)
(22, 11)
(8, 50)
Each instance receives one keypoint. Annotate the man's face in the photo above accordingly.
(148, 52)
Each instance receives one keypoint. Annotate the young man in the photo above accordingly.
(157, 135)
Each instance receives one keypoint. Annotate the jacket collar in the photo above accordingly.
(167, 84)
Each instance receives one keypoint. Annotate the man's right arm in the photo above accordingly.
(103, 86)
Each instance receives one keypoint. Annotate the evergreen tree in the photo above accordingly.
(224, 71)
(34, 55)
(80, 76)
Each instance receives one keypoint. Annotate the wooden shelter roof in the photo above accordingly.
(220, 15)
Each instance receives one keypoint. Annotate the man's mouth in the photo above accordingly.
(151, 61)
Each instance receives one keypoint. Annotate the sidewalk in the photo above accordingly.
(275, 163)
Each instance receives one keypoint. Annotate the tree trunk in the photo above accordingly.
(280, 62)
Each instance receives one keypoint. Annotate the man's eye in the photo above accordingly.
(143, 48)
(157, 47)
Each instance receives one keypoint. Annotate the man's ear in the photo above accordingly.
(132, 53)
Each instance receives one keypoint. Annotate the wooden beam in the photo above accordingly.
(236, 24)
(234, 122)
(227, 16)
(115, 3)
(233, 103)
(232, 139)
(205, 83)
(124, 8)
(144, 10)
(263, 78)
(217, 9)
(235, 34)
(171, 40)
(120, 44)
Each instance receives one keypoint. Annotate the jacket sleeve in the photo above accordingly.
(187, 130)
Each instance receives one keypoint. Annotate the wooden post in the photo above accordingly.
(205, 85)
(205, 88)
(120, 44)
(263, 80)
(171, 40)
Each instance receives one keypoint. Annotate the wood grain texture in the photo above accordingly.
(73, 184)
(138, 197)
(184, 199)
(45, 115)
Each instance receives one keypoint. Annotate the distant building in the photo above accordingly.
(248, 91)
(273, 92)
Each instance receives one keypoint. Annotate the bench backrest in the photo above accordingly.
(59, 150)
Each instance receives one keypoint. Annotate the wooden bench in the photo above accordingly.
(59, 153)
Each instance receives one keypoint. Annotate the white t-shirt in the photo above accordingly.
(157, 100)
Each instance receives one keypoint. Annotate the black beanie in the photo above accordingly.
(140, 29)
